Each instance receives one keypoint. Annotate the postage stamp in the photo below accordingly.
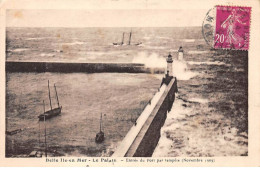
(232, 29)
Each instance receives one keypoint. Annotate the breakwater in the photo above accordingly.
(66, 67)
(143, 137)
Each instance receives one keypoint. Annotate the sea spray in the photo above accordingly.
(207, 63)
(150, 60)
(181, 71)
(153, 60)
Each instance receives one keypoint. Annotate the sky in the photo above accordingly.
(105, 17)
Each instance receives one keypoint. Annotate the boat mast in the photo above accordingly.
(101, 122)
(57, 96)
(40, 133)
(123, 39)
(130, 37)
(49, 95)
(45, 142)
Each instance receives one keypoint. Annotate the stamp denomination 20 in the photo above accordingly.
(232, 27)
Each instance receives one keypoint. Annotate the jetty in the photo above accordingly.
(72, 67)
(143, 137)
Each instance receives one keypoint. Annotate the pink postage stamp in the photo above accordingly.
(232, 27)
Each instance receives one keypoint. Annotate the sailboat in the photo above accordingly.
(130, 36)
(53, 112)
(122, 42)
(129, 41)
(100, 136)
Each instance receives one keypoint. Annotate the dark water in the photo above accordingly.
(209, 116)
(120, 97)
(94, 44)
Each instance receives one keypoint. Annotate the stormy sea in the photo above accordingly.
(209, 116)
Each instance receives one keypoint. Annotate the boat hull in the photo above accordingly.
(118, 43)
(100, 137)
(13, 132)
(49, 114)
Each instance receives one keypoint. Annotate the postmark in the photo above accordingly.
(208, 26)
(232, 29)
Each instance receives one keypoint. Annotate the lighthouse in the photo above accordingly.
(169, 65)
(180, 53)
(169, 75)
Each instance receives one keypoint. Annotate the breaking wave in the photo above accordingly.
(180, 68)
(188, 40)
(197, 52)
(199, 100)
(70, 43)
(206, 63)
(150, 60)
(19, 50)
(181, 71)
(38, 38)
(182, 136)
(47, 55)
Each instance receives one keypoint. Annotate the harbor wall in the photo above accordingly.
(66, 67)
(143, 137)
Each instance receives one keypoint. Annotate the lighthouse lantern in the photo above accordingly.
(180, 53)
(169, 65)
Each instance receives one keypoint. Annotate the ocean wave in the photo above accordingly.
(206, 63)
(19, 50)
(75, 43)
(197, 52)
(188, 133)
(166, 38)
(181, 71)
(70, 43)
(47, 55)
(188, 40)
(198, 100)
(38, 38)
(174, 121)
(180, 68)
(155, 47)
(101, 53)
(150, 60)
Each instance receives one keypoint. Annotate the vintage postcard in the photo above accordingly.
(130, 83)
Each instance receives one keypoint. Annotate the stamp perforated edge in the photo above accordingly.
(251, 8)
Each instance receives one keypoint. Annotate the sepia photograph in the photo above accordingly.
(74, 91)
(113, 83)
